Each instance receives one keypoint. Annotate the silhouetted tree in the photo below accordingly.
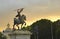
(43, 27)
(56, 29)
(2, 36)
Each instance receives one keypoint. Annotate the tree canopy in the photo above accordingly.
(45, 29)
(2, 36)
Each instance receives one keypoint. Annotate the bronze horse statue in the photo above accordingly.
(20, 20)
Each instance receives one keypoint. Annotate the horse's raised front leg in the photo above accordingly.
(25, 23)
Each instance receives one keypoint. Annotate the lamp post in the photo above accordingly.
(36, 31)
(51, 31)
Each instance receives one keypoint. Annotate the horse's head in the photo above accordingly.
(23, 17)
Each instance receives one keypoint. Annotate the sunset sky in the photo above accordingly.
(33, 9)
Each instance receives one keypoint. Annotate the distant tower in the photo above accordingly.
(8, 29)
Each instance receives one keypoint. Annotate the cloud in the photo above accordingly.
(54, 5)
(21, 3)
(10, 5)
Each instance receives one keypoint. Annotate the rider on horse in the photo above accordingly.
(19, 20)
(19, 11)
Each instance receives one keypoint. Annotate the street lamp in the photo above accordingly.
(51, 31)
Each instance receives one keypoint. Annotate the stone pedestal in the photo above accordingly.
(19, 34)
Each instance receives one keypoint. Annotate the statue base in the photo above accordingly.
(19, 34)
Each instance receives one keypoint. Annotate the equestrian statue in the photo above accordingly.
(19, 19)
